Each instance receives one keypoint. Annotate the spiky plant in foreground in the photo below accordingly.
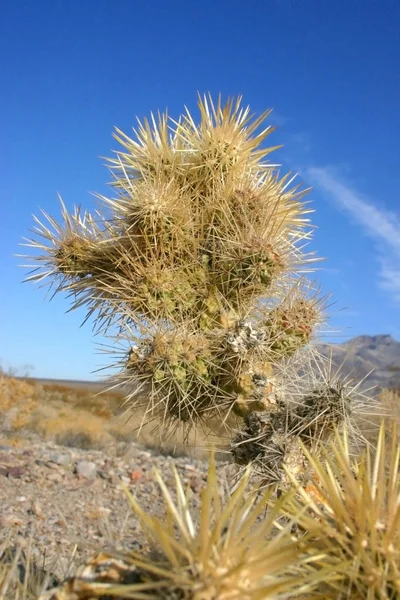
(232, 551)
(198, 261)
(351, 510)
(20, 577)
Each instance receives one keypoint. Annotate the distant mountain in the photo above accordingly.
(378, 355)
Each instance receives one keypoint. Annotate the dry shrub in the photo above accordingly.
(77, 417)
(390, 399)
(13, 390)
(68, 415)
(389, 403)
(63, 428)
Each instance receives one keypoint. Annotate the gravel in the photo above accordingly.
(71, 502)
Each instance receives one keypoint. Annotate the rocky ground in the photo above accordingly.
(65, 456)
(64, 463)
(71, 503)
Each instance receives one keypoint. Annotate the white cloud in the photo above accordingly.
(380, 224)
(390, 275)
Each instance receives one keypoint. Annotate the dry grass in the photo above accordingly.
(390, 408)
(391, 402)
(78, 417)
(352, 513)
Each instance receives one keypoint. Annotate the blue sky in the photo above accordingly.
(72, 70)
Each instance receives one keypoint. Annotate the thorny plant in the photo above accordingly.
(198, 262)
(350, 510)
(232, 551)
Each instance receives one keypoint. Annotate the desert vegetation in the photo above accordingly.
(78, 417)
(197, 269)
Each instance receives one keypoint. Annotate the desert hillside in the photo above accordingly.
(376, 358)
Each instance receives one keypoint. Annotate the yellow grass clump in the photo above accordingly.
(232, 551)
(351, 512)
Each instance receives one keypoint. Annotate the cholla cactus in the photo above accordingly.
(310, 408)
(197, 261)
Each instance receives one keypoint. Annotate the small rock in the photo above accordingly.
(64, 542)
(133, 452)
(21, 498)
(52, 465)
(190, 468)
(61, 459)
(36, 510)
(13, 521)
(135, 476)
(54, 476)
(134, 545)
(195, 484)
(86, 469)
(99, 512)
(60, 523)
(16, 472)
